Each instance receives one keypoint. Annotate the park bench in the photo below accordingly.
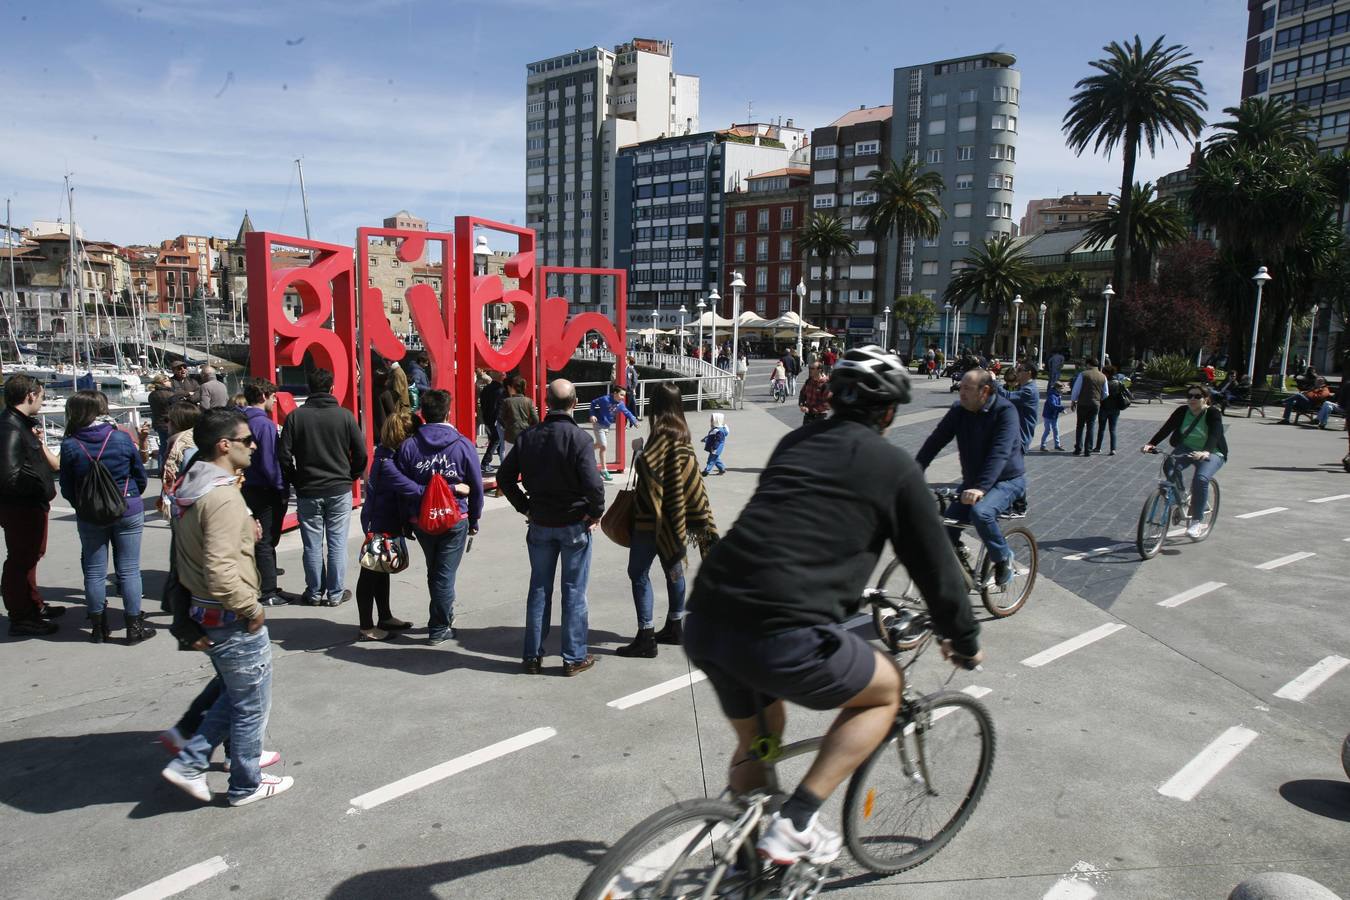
(1258, 400)
(1144, 390)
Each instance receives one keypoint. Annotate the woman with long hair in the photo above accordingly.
(672, 511)
(394, 399)
(387, 492)
(91, 434)
(183, 415)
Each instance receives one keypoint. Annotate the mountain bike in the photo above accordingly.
(1001, 601)
(780, 391)
(902, 805)
(1167, 510)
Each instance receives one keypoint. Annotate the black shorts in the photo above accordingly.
(816, 666)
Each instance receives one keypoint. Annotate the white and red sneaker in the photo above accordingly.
(271, 786)
(784, 844)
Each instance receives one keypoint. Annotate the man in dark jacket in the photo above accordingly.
(993, 473)
(489, 405)
(1021, 390)
(27, 487)
(265, 489)
(160, 399)
(184, 385)
(555, 460)
(417, 372)
(439, 449)
(322, 452)
(1089, 389)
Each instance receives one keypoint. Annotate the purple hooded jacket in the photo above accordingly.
(389, 496)
(439, 448)
(265, 470)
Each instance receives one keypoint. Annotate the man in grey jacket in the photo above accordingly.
(213, 392)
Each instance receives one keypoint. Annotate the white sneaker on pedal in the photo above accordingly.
(1195, 530)
(784, 844)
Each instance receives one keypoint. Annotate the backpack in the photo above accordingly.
(440, 510)
(97, 500)
(1123, 396)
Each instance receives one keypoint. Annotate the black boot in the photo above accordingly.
(96, 628)
(138, 629)
(671, 633)
(644, 645)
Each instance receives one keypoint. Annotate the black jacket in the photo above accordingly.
(322, 450)
(1214, 441)
(490, 402)
(831, 496)
(26, 478)
(556, 461)
(161, 398)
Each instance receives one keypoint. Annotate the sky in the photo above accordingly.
(175, 116)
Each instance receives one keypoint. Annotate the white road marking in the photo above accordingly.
(1074, 885)
(1311, 680)
(1198, 591)
(1072, 644)
(1085, 554)
(1285, 560)
(451, 767)
(654, 863)
(179, 881)
(1197, 773)
(658, 690)
(1331, 498)
(1262, 512)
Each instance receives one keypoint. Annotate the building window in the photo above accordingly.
(930, 241)
(964, 182)
(739, 251)
(399, 282)
(960, 238)
(867, 148)
(998, 122)
(762, 250)
(740, 221)
(937, 100)
(970, 95)
(785, 248)
(961, 211)
(934, 156)
(965, 153)
(937, 126)
(785, 278)
(928, 267)
(965, 123)
(785, 215)
(826, 152)
(823, 201)
(762, 278)
(1002, 151)
(762, 220)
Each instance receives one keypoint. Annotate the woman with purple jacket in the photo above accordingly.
(92, 434)
(387, 495)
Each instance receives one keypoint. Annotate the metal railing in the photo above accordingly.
(713, 383)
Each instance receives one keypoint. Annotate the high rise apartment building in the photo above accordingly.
(763, 223)
(958, 117)
(581, 107)
(1299, 51)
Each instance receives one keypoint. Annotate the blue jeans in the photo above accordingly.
(984, 515)
(243, 663)
(1106, 419)
(125, 537)
(1324, 412)
(443, 552)
(320, 518)
(546, 544)
(1051, 428)
(640, 556)
(1205, 470)
(715, 462)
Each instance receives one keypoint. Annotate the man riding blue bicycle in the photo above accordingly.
(993, 473)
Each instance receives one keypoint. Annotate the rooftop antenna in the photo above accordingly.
(749, 111)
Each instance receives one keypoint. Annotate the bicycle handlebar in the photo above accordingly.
(908, 624)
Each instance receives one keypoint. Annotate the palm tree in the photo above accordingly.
(824, 236)
(908, 204)
(1141, 96)
(994, 273)
(1154, 225)
(1261, 124)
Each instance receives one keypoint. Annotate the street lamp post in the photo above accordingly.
(1261, 277)
(1106, 318)
(1312, 331)
(1017, 325)
(956, 331)
(946, 326)
(885, 321)
(801, 318)
(655, 316)
(714, 299)
(1040, 350)
(701, 307)
(737, 285)
(683, 312)
(1284, 357)
(481, 254)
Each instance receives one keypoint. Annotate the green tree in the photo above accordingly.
(915, 310)
(823, 236)
(1154, 225)
(908, 204)
(1140, 97)
(995, 272)
(1261, 124)
(1061, 292)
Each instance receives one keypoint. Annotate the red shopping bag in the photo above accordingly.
(440, 510)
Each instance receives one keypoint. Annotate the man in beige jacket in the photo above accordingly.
(214, 536)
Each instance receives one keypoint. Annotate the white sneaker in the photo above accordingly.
(268, 758)
(785, 845)
(172, 740)
(271, 786)
(1196, 530)
(189, 782)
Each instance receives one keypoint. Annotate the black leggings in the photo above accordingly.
(372, 589)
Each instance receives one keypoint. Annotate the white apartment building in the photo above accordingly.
(580, 108)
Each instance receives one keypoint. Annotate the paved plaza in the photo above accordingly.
(1165, 728)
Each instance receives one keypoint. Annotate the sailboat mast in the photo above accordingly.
(13, 292)
(74, 289)
(304, 199)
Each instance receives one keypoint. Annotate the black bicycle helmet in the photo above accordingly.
(869, 377)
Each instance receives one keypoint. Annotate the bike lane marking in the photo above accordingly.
(1086, 553)
(180, 881)
(1198, 591)
(1262, 512)
(1331, 498)
(1208, 763)
(1285, 560)
(1074, 885)
(444, 770)
(1299, 689)
(1064, 648)
(657, 690)
(970, 691)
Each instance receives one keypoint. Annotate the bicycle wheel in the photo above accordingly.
(917, 790)
(1154, 519)
(676, 853)
(1211, 514)
(1008, 599)
(897, 577)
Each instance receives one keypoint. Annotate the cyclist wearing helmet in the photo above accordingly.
(766, 612)
(993, 474)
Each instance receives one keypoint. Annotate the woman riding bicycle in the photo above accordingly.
(778, 382)
(1195, 432)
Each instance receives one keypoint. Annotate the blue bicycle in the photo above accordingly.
(1167, 510)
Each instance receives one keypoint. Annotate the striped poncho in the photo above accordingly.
(671, 500)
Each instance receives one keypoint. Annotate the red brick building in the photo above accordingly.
(177, 277)
(761, 224)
